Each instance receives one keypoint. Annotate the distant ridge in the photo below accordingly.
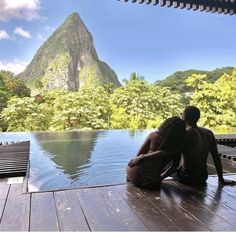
(176, 81)
(68, 60)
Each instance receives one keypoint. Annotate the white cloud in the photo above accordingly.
(23, 9)
(4, 35)
(20, 31)
(15, 66)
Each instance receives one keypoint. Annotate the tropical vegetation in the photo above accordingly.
(137, 104)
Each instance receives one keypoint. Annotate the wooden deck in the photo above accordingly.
(121, 207)
(14, 159)
(227, 139)
(228, 160)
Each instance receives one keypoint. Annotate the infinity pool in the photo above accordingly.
(61, 160)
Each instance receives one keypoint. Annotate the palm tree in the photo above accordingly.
(134, 76)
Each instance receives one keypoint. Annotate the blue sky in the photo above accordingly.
(152, 41)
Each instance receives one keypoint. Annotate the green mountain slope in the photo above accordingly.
(176, 81)
(68, 60)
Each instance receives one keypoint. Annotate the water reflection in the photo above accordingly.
(70, 151)
(67, 159)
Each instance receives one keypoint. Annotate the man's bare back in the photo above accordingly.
(199, 143)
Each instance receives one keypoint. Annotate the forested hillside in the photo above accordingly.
(176, 81)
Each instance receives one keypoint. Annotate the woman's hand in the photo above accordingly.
(135, 161)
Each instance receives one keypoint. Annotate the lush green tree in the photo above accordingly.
(3, 104)
(87, 108)
(13, 84)
(217, 101)
(10, 85)
(24, 114)
(139, 104)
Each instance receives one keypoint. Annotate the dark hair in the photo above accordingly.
(191, 114)
(172, 132)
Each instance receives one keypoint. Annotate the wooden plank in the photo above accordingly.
(17, 174)
(202, 213)
(128, 219)
(2, 162)
(13, 164)
(43, 212)
(150, 214)
(12, 170)
(95, 210)
(14, 159)
(4, 188)
(230, 189)
(70, 214)
(16, 214)
(174, 212)
(222, 196)
(211, 203)
(14, 154)
(17, 147)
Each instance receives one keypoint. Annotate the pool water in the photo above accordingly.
(60, 160)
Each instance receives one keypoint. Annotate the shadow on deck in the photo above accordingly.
(122, 207)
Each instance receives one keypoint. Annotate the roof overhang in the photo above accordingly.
(219, 6)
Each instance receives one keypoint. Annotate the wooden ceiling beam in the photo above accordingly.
(219, 6)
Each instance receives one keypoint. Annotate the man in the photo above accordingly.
(199, 142)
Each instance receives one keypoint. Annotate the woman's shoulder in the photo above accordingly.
(154, 134)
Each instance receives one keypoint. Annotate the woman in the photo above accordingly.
(160, 148)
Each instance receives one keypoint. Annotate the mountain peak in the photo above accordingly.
(68, 60)
(74, 17)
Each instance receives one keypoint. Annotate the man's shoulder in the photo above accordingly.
(206, 131)
(202, 130)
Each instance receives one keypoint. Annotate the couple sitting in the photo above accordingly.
(179, 149)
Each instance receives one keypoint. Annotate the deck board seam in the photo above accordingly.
(58, 221)
(141, 219)
(225, 190)
(78, 188)
(102, 194)
(181, 208)
(154, 207)
(5, 203)
(114, 218)
(222, 203)
(208, 209)
(197, 203)
(212, 198)
(81, 206)
(30, 196)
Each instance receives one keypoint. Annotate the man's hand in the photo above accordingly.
(227, 182)
(135, 161)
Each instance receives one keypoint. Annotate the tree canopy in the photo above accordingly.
(217, 100)
(176, 81)
(135, 105)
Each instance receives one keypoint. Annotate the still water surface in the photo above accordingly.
(75, 159)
